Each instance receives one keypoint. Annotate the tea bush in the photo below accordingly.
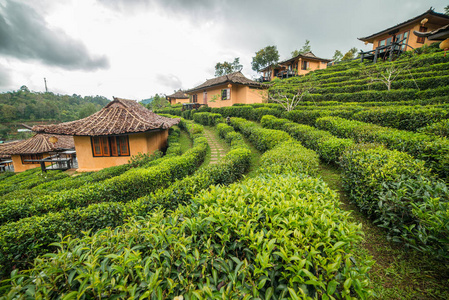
(432, 149)
(130, 185)
(262, 139)
(209, 119)
(275, 236)
(22, 241)
(329, 147)
(399, 193)
(439, 128)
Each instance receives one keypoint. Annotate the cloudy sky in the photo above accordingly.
(136, 48)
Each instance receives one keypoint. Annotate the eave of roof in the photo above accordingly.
(120, 116)
(430, 12)
(439, 34)
(305, 57)
(234, 78)
(39, 143)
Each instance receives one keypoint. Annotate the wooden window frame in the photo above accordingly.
(228, 94)
(305, 65)
(195, 98)
(421, 39)
(114, 146)
(24, 157)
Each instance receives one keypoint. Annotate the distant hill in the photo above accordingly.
(23, 106)
(146, 101)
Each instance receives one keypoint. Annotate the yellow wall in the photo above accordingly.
(146, 142)
(177, 100)
(296, 64)
(412, 38)
(19, 167)
(239, 94)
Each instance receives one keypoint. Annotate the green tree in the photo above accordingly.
(159, 101)
(228, 67)
(446, 10)
(337, 56)
(86, 110)
(306, 48)
(351, 54)
(265, 57)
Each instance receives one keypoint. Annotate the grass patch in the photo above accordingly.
(398, 272)
(185, 141)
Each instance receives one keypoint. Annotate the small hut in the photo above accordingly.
(109, 137)
(25, 154)
(178, 97)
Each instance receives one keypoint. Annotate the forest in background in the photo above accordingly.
(24, 106)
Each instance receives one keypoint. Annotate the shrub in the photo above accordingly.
(433, 150)
(262, 139)
(208, 119)
(287, 157)
(273, 235)
(22, 241)
(439, 128)
(325, 144)
(130, 185)
(400, 194)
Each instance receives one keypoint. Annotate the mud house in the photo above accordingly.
(25, 154)
(178, 97)
(228, 90)
(298, 65)
(109, 137)
(402, 32)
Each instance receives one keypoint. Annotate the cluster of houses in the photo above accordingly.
(124, 128)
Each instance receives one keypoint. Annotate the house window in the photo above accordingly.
(30, 157)
(225, 94)
(110, 145)
(194, 98)
(421, 39)
(305, 65)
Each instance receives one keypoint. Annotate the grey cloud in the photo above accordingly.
(169, 80)
(253, 24)
(5, 79)
(24, 34)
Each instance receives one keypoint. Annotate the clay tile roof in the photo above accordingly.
(178, 95)
(39, 143)
(306, 55)
(236, 77)
(120, 116)
(438, 17)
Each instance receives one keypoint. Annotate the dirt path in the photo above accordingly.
(217, 148)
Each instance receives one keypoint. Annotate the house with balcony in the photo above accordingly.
(399, 38)
(298, 65)
(228, 90)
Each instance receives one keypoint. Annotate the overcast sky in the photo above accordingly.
(136, 48)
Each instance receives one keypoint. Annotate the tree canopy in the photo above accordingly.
(25, 106)
(351, 54)
(265, 57)
(228, 67)
(306, 48)
(337, 56)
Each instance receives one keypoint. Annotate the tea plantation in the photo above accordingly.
(166, 226)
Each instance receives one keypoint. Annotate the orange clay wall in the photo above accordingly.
(239, 94)
(19, 167)
(176, 101)
(146, 142)
(412, 38)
